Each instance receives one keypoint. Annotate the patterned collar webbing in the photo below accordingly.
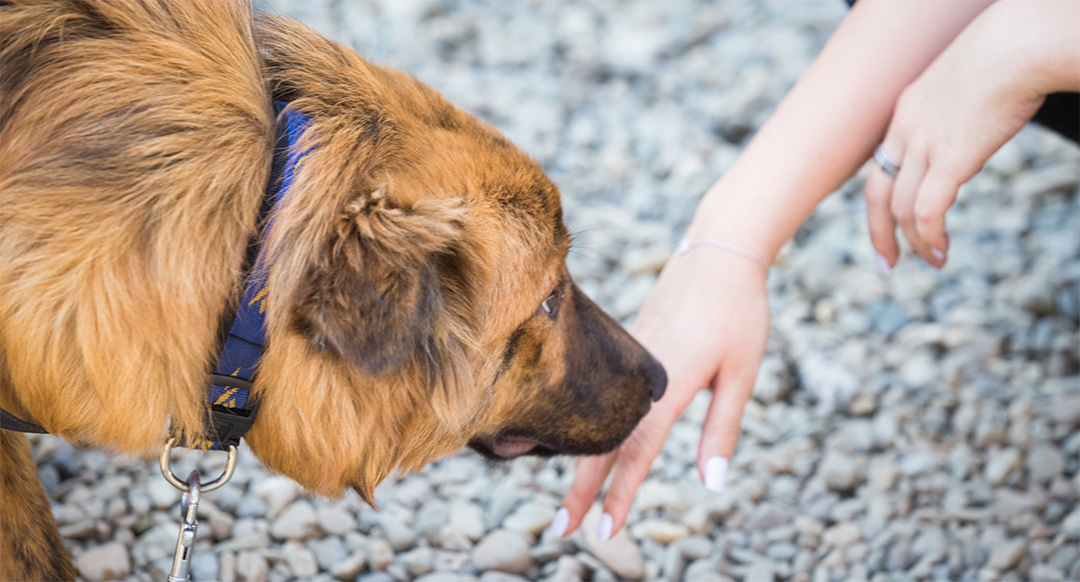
(230, 384)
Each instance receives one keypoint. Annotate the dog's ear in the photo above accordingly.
(372, 295)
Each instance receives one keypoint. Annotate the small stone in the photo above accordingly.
(761, 571)
(767, 516)
(1000, 465)
(1045, 462)
(864, 404)
(276, 492)
(882, 473)
(348, 568)
(657, 495)
(619, 553)
(840, 471)
(464, 526)
(247, 534)
(1066, 408)
(661, 531)
(297, 521)
(162, 494)
(205, 566)
(380, 554)
(418, 561)
(784, 552)
(431, 517)
(250, 507)
(489, 576)
(252, 567)
(328, 551)
(156, 542)
(919, 370)
(702, 571)
(1006, 555)
(335, 519)
(694, 547)
(502, 550)
(529, 518)
(227, 567)
(397, 532)
(841, 534)
(1045, 573)
(567, 569)
(301, 560)
(106, 562)
(1070, 526)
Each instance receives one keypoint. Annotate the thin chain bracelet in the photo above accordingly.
(685, 246)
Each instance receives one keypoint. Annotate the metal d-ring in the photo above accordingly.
(166, 470)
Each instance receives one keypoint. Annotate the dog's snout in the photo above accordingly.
(657, 378)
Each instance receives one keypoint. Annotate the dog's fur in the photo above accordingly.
(414, 265)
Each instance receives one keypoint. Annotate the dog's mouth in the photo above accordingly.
(508, 446)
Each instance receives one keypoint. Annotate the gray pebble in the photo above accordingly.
(105, 562)
(297, 521)
(502, 550)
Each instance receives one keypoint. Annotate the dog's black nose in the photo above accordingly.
(657, 378)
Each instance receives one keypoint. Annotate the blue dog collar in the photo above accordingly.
(232, 411)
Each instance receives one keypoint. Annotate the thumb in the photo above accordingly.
(722, 425)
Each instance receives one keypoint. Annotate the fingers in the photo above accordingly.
(722, 425)
(904, 195)
(936, 194)
(634, 461)
(879, 216)
(916, 200)
(589, 476)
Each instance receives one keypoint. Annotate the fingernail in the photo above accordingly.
(882, 264)
(603, 532)
(559, 523)
(937, 254)
(716, 473)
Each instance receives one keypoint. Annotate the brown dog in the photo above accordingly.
(418, 295)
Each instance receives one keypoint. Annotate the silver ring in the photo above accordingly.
(887, 164)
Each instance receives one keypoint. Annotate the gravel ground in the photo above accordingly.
(920, 427)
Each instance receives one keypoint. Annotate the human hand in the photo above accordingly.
(975, 96)
(707, 322)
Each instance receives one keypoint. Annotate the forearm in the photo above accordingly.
(1042, 39)
(828, 124)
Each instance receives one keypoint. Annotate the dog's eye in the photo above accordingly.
(550, 306)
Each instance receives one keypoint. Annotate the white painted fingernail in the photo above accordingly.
(937, 254)
(603, 532)
(716, 473)
(882, 264)
(559, 523)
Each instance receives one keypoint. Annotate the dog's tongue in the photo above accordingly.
(511, 446)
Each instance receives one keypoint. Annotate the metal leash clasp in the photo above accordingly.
(189, 522)
(189, 508)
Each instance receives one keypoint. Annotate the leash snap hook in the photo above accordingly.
(174, 480)
(189, 507)
(189, 522)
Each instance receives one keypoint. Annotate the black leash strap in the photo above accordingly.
(9, 421)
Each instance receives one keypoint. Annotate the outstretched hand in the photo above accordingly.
(707, 322)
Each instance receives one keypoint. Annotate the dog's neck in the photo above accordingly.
(242, 334)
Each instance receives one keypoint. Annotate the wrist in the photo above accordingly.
(743, 221)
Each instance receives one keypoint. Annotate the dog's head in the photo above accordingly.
(420, 296)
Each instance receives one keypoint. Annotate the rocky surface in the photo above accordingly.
(919, 427)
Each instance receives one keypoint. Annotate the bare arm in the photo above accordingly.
(974, 97)
(830, 122)
(707, 318)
